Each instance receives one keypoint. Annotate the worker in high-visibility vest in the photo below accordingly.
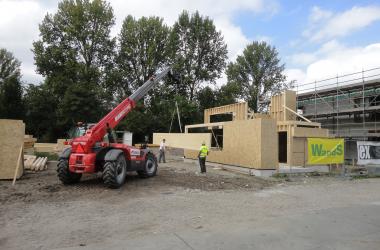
(203, 152)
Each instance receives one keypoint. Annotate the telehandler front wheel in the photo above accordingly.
(115, 172)
(64, 174)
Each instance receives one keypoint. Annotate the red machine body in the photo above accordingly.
(89, 153)
(84, 149)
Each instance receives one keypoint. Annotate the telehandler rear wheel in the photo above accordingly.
(64, 174)
(114, 172)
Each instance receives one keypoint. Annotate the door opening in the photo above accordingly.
(282, 147)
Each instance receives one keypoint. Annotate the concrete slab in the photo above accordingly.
(237, 169)
(283, 169)
(373, 170)
(292, 170)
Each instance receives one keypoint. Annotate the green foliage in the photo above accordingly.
(87, 72)
(227, 94)
(41, 106)
(75, 53)
(9, 66)
(75, 45)
(80, 103)
(11, 103)
(258, 72)
(143, 50)
(198, 50)
(207, 98)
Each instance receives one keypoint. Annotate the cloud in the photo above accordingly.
(334, 59)
(18, 28)
(318, 14)
(325, 25)
(295, 74)
(19, 21)
(304, 58)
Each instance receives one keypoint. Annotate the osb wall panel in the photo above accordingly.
(277, 111)
(186, 141)
(11, 140)
(299, 156)
(250, 143)
(239, 110)
(310, 132)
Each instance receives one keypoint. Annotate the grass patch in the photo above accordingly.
(280, 175)
(368, 176)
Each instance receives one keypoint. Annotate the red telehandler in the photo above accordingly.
(89, 153)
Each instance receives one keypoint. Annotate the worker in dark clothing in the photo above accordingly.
(203, 152)
(162, 151)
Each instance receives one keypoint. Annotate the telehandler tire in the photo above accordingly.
(64, 174)
(115, 172)
(150, 168)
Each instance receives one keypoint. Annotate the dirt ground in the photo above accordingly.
(44, 186)
(173, 210)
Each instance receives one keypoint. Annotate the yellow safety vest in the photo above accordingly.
(203, 151)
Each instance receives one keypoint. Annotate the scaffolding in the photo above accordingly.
(348, 105)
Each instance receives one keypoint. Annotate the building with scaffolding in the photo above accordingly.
(348, 105)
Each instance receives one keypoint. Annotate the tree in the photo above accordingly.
(207, 98)
(258, 72)
(41, 120)
(227, 94)
(9, 66)
(75, 53)
(11, 103)
(75, 43)
(79, 103)
(198, 51)
(143, 50)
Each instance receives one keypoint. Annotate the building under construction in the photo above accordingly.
(254, 141)
(347, 105)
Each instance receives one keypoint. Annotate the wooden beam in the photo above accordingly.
(187, 141)
(17, 166)
(205, 125)
(296, 113)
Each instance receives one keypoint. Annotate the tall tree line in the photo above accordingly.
(87, 71)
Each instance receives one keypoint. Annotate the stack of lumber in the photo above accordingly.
(29, 141)
(60, 146)
(51, 147)
(35, 163)
(45, 147)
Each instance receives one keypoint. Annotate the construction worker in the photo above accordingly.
(162, 151)
(203, 152)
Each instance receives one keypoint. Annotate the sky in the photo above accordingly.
(315, 39)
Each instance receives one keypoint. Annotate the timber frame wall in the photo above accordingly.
(246, 143)
(239, 111)
(253, 140)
